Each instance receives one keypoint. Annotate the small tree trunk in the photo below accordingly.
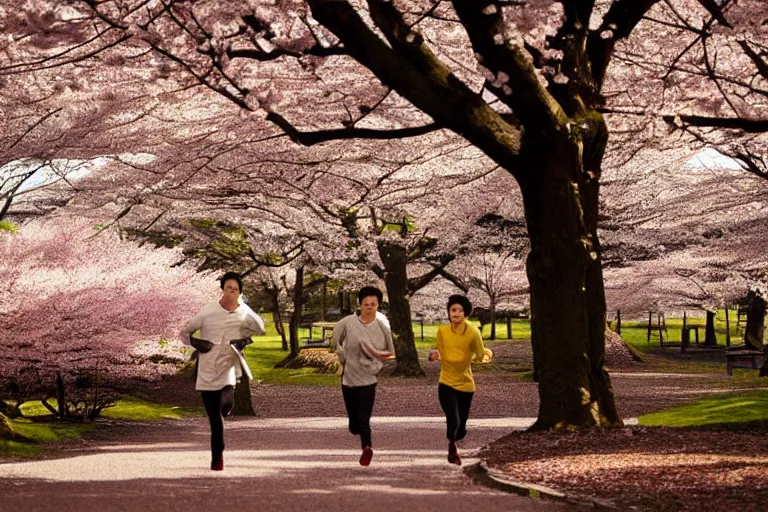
(650, 325)
(293, 325)
(277, 316)
(493, 318)
(323, 306)
(60, 397)
(727, 328)
(394, 259)
(753, 333)
(618, 322)
(509, 327)
(243, 403)
(710, 339)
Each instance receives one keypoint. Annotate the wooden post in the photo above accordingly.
(650, 325)
(727, 328)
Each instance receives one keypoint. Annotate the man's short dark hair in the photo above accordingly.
(462, 301)
(232, 275)
(369, 291)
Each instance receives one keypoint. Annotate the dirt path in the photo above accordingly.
(279, 464)
(297, 454)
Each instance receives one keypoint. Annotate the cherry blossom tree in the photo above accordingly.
(83, 312)
(526, 83)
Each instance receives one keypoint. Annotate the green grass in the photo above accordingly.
(266, 352)
(730, 411)
(37, 433)
(139, 410)
(38, 427)
(636, 333)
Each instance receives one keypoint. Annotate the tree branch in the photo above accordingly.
(734, 123)
(617, 24)
(533, 105)
(316, 137)
(431, 87)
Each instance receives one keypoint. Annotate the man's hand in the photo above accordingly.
(372, 352)
(240, 343)
(201, 345)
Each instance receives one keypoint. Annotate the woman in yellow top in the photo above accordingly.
(457, 343)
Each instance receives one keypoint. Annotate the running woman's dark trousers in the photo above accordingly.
(359, 404)
(455, 405)
(217, 405)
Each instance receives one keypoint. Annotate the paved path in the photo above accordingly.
(292, 464)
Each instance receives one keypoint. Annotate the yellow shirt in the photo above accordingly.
(456, 351)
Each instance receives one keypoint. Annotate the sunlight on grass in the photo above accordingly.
(266, 352)
(636, 332)
(720, 409)
(138, 410)
(36, 433)
(40, 427)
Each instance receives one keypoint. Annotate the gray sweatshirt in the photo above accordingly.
(348, 333)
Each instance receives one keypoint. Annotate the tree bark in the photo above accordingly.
(394, 260)
(753, 333)
(568, 315)
(293, 325)
(493, 318)
(277, 316)
(323, 296)
(243, 403)
(710, 339)
(60, 398)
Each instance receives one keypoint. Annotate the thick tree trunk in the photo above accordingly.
(568, 315)
(753, 333)
(394, 259)
(710, 339)
(243, 403)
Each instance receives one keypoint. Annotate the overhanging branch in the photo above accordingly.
(734, 123)
(316, 137)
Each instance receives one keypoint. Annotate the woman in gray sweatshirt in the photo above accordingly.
(362, 343)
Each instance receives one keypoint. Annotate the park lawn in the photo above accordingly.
(38, 427)
(636, 332)
(266, 352)
(727, 411)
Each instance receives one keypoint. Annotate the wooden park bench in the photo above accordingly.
(733, 356)
(324, 341)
